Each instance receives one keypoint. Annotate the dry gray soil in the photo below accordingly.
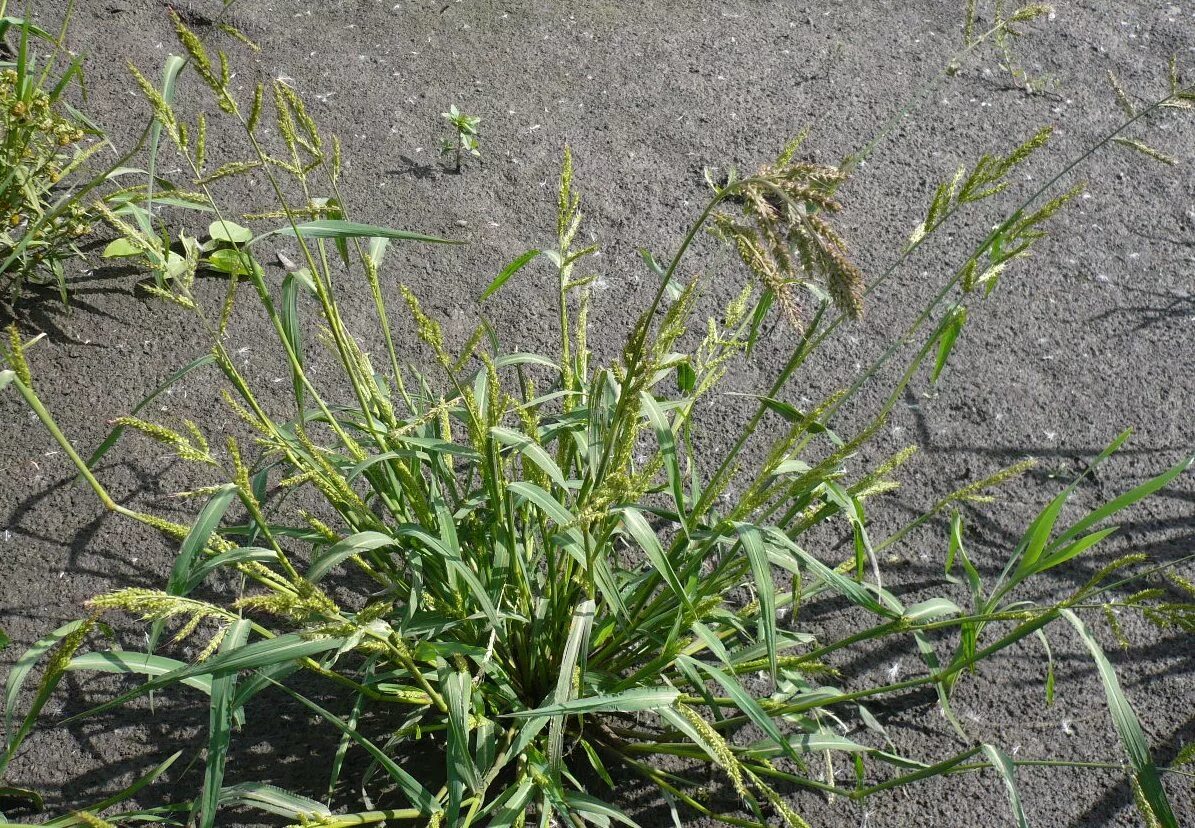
(1095, 333)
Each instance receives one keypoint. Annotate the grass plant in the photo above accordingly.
(53, 194)
(559, 589)
(42, 217)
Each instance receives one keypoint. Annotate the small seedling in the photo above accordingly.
(465, 139)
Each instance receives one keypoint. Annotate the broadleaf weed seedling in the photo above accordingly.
(464, 140)
(554, 573)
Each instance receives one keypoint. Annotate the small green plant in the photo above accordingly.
(46, 179)
(41, 217)
(464, 138)
(1005, 39)
(558, 581)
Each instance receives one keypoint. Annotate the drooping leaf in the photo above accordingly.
(1008, 772)
(534, 452)
(272, 800)
(232, 262)
(339, 229)
(1133, 738)
(346, 548)
(121, 248)
(645, 536)
(462, 772)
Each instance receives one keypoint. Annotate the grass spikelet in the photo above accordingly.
(283, 119)
(720, 748)
(1022, 153)
(299, 109)
(468, 349)
(784, 207)
(91, 820)
(213, 644)
(153, 430)
(1146, 150)
(1030, 12)
(162, 110)
(1182, 583)
(243, 413)
(736, 310)
(184, 448)
(791, 818)
(197, 437)
(194, 47)
(846, 284)
(428, 329)
(1114, 626)
(16, 356)
(1109, 569)
(969, 23)
(233, 32)
(1122, 97)
(226, 308)
(322, 529)
(308, 604)
(66, 651)
(445, 426)
(296, 480)
(200, 141)
(155, 605)
(1186, 756)
(762, 265)
(167, 527)
(255, 109)
(241, 472)
(673, 325)
(974, 492)
(790, 149)
(944, 197)
(878, 482)
(1026, 227)
(567, 202)
(226, 170)
(497, 399)
(1143, 806)
(292, 168)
